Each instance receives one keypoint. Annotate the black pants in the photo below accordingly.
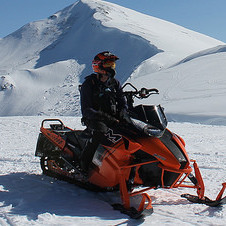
(98, 129)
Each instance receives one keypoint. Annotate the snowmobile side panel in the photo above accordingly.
(174, 146)
(109, 159)
(45, 147)
(155, 147)
(57, 140)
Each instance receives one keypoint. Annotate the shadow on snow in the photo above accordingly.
(31, 195)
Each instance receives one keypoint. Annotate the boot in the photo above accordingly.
(89, 150)
(87, 156)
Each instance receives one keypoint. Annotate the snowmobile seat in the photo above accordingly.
(85, 134)
(78, 138)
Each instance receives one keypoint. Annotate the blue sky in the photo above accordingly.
(205, 16)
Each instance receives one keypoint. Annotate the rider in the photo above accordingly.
(102, 103)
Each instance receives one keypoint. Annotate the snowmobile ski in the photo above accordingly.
(205, 200)
(132, 212)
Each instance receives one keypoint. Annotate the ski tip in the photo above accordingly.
(205, 200)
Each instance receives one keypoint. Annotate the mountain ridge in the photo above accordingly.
(40, 57)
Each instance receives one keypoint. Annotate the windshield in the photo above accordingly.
(152, 115)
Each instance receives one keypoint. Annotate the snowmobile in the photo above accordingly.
(135, 156)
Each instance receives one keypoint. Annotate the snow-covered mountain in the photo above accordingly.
(47, 59)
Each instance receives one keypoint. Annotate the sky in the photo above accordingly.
(204, 16)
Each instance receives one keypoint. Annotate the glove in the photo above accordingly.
(124, 115)
(110, 120)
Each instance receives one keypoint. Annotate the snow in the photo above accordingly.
(42, 65)
(193, 91)
(29, 198)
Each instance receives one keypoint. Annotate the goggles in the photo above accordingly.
(109, 64)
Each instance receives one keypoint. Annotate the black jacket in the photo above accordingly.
(100, 101)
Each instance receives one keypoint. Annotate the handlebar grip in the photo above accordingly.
(147, 92)
(153, 90)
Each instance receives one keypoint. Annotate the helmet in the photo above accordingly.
(104, 63)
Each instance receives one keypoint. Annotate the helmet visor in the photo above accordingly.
(109, 64)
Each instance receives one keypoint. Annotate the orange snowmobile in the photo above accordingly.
(137, 155)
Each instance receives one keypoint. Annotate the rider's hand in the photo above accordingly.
(110, 120)
(124, 115)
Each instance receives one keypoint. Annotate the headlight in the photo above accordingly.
(153, 132)
(146, 128)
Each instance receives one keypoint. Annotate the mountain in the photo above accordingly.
(46, 60)
(193, 90)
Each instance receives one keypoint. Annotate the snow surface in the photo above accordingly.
(29, 198)
(41, 66)
(193, 91)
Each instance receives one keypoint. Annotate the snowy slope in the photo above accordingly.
(29, 198)
(193, 90)
(47, 59)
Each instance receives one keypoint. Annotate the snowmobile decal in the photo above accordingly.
(114, 138)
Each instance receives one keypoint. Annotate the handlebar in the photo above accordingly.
(140, 94)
